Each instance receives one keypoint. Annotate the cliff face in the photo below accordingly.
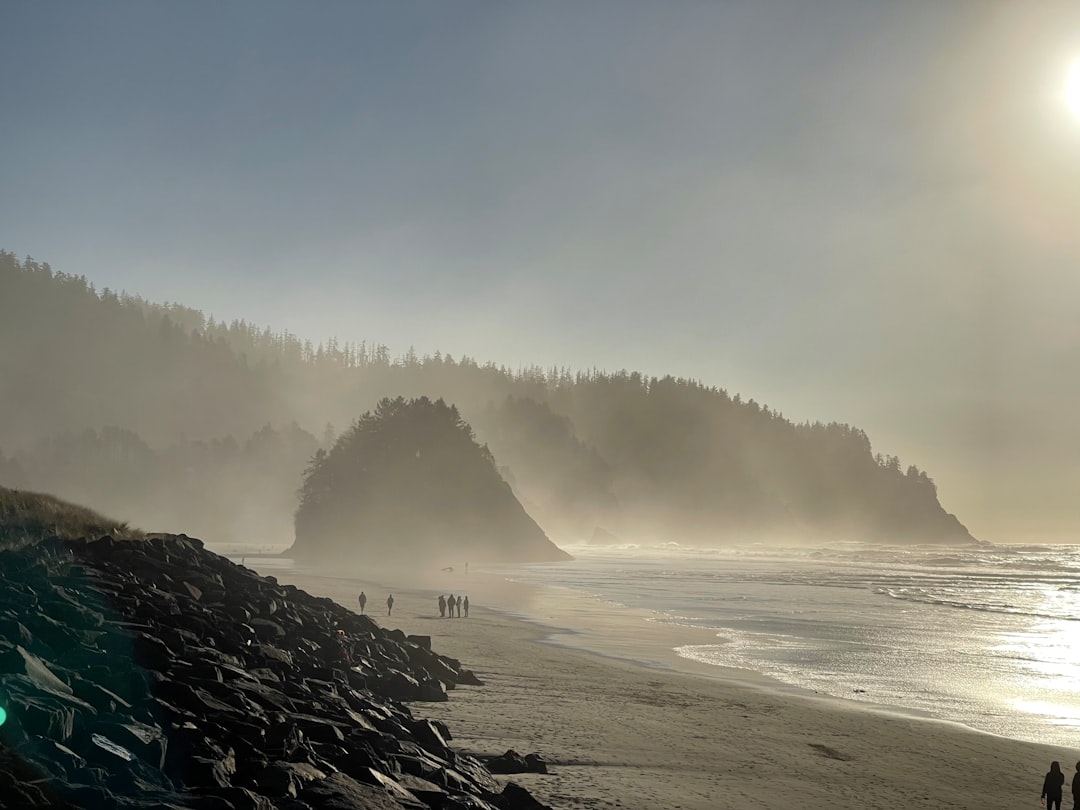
(153, 673)
(409, 485)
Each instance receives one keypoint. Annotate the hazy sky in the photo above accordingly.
(854, 211)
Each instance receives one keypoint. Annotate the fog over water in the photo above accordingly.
(852, 211)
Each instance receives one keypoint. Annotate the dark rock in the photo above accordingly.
(513, 762)
(39, 673)
(135, 778)
(341, 792)
(428, 792)
(151, 652)
(52, 633)
(432, 691)
(267, 630)
(194, 592)
(286, 779)
(146, 742)
(155, 674)
(102, 699)
(319, 729)
(238, 798)
(536, 763)
(206, 772)
(57, 757)
(397, 685)
(429, 734)
(510, 762)
(464, 801)
(270, 654)
(44, 715)
(84, 796)
(515, 797)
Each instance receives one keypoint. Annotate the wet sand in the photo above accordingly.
(623, 722)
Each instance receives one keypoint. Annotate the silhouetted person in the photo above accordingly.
(1076, 788)
(1052, 785)
(442, 606)
(465, 604)
(450, 605)
(363, 601)
(459, 607)
(389, 604)
(344, 652)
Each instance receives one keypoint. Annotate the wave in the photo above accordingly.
(923, 597)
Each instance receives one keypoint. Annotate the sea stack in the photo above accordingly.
(409, 485)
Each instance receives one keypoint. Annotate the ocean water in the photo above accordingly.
(989, 638)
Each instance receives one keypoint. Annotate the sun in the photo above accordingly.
(1072, 88)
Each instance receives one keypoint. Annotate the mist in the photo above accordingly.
(849, 212)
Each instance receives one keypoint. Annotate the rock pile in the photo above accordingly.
(513, 762)
(156, 674)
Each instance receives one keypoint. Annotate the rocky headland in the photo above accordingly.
(409, 482)
(153, 673)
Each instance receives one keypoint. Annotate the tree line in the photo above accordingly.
(96, 380)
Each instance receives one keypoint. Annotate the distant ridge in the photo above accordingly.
(174, 419)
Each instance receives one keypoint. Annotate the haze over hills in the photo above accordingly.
(175, 420)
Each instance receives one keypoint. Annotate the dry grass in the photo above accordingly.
(27, 517)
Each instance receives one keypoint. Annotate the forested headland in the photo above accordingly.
(181, 422)
(409, 482)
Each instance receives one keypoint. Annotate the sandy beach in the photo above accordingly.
(624, 722)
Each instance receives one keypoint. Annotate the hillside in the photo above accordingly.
(167, 416)
(29, 517)
(408, 482)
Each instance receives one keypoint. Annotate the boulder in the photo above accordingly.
(513, 762)
(143, 674)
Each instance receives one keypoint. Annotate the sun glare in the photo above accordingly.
(1072, 89)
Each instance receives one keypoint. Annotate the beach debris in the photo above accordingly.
(831, 753)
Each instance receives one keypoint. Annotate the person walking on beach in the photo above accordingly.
(363, 602)
(466, 605)
(1076, 788)
(1052, 785)
(450, 606)
(442, 606)
(389, 604)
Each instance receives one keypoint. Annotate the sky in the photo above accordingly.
(866, 212)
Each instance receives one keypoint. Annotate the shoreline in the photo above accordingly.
(569, 629)
(625, 725)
